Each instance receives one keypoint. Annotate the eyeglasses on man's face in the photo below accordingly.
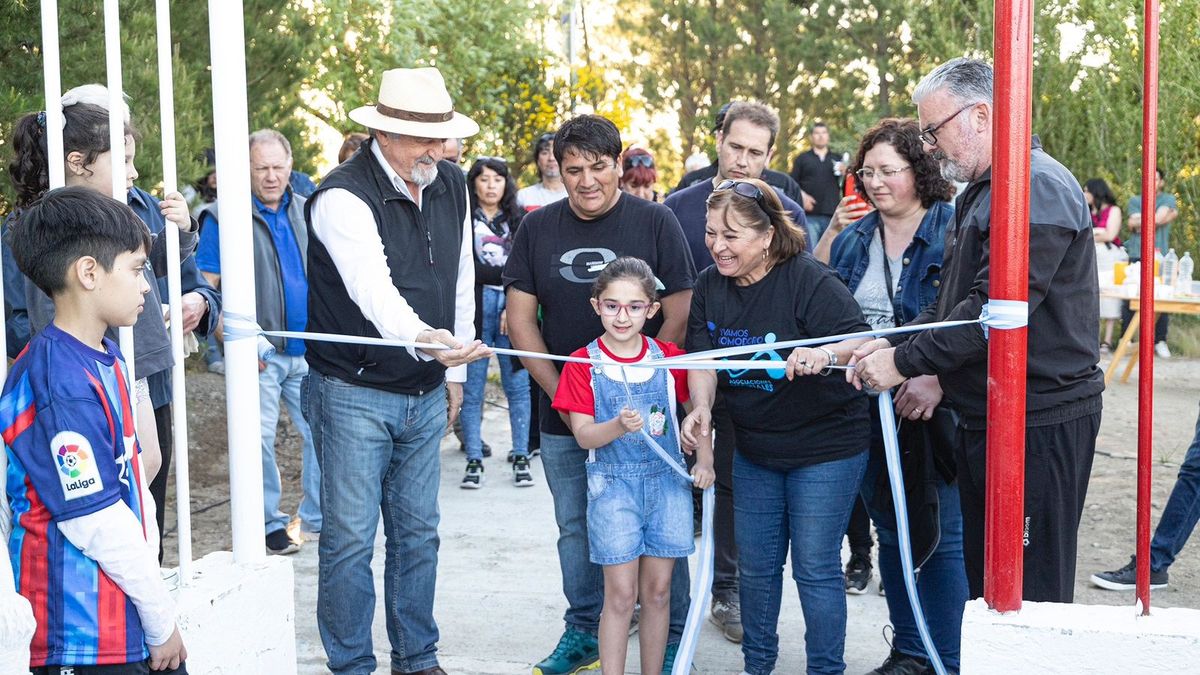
(929, 134)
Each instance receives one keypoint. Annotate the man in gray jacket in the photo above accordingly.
(281, 289)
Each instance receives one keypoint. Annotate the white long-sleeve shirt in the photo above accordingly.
(346, 226)
(113, 538)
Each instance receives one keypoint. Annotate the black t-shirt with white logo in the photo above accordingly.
(556, 256)
(781, 424)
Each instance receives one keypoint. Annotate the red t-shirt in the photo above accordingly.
(575, 393)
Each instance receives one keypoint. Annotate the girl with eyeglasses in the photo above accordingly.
(495, 216)
(639, 511)
(802, 432)
(891, 261)
(638, 175)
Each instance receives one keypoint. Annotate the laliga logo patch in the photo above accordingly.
(77, 469)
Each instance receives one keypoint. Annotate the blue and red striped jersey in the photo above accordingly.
(67, 423)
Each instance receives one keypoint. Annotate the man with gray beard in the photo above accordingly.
(389, 256)
(1064, 384)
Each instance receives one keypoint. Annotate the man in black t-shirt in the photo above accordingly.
(817, 171)
(557, 253)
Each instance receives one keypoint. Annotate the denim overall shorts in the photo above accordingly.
(637, 504)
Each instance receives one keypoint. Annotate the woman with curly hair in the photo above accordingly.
(891, 260)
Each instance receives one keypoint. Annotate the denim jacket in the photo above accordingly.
(921, 276)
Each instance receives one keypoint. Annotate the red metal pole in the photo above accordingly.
(1004, 531)
(1146, 345)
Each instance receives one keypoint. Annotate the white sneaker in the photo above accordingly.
(1161, 350)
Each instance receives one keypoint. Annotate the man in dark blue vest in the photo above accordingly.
(389, 256)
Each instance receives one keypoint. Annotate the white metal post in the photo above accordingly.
(166, 99)
(53, 85)
(231, 126)
(116, 144)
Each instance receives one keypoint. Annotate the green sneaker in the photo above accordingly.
(576, 652)
(669, 658)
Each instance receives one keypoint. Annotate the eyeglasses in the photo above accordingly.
(865, 175)
(744, 189)
(929, 134)
(635, 310)
(639, 160)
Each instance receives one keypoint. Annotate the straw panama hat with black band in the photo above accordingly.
(414, 102)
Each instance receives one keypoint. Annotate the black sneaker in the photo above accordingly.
(1125, 579)
(899, 663)
(278, 543)
(522, 476)
(858, 574)
(473, 477)
(487, 449)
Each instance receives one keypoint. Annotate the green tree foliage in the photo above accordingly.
(851, 62)
(303, 60)
(275, 46)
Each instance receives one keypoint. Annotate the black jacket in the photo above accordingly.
(1063, 379)
(422, 246)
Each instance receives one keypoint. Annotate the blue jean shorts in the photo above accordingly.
(637, 510)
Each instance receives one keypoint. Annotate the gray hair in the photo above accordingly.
(967, 80)
(269, 135)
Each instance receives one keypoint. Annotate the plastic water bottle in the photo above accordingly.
(1158, 261)
(1170, 265)
(1183, 282)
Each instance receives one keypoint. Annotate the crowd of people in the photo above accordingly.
(403, 240)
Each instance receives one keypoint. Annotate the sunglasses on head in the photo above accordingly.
(744, 189)
(639, 160)
(489, 158)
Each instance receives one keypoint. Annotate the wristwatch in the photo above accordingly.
(833, 360)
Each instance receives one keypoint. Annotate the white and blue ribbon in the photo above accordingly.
(891, 450)
(1001, 314)
(702, 583)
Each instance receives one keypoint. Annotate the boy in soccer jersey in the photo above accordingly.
(83, 541)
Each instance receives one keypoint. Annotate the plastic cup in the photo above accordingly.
(1119, 269)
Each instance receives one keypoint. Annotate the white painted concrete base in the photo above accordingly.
(16, 630)
(1047, 637)
(239, 618)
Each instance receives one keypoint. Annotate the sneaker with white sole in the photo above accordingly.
(522, 476)
(473, 477)
(1125, 579)
(1161, 350)
(279, 543)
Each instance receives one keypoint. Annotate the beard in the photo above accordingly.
(953, 171)
(424, 172)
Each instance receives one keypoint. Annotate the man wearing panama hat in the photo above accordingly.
(389, 256)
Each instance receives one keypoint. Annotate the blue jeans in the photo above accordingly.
(942, 582)
(281, 380)
(1182, 511)
(817, 224)
(564, 463)
(516, 385)
(809, 509)
(379, 453)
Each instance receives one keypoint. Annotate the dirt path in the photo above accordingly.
(1106, 536)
